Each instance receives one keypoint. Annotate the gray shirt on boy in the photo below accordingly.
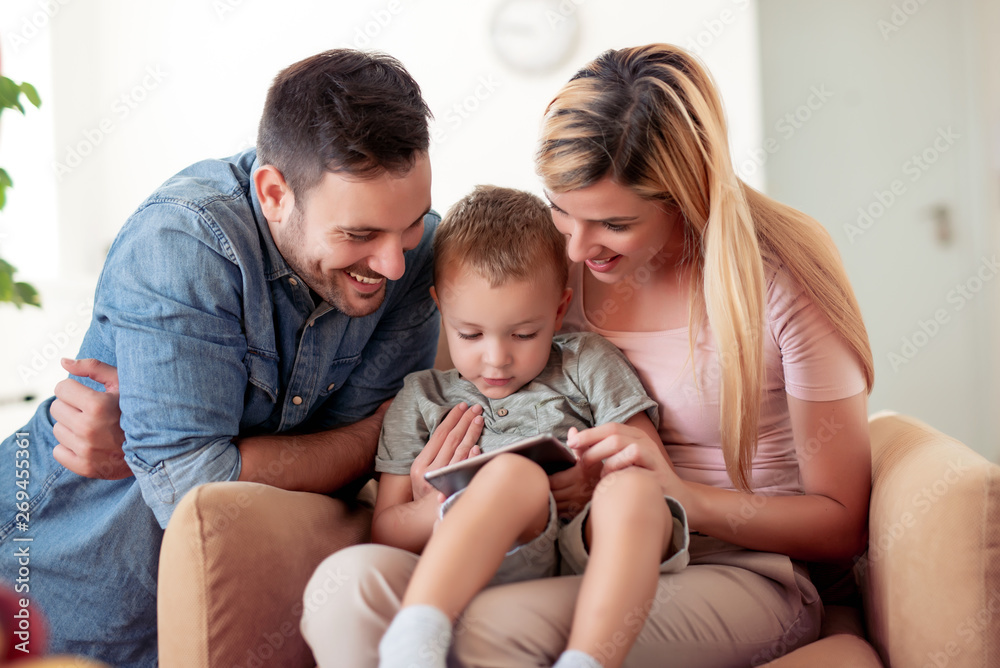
(587, 382)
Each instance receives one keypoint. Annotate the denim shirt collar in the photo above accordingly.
(275, 266)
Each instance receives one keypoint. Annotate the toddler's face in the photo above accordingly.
(499, 338)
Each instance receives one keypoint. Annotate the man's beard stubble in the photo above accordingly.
(332, 291)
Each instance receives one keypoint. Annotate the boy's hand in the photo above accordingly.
(454, 440)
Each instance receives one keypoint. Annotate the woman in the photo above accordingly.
(677, 260)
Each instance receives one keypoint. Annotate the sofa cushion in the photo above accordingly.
(235, 560)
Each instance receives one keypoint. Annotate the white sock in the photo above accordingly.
(574, 658)
(418, 637)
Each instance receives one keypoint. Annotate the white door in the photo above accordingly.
(870, 110)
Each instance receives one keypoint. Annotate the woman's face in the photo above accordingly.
(614, 231)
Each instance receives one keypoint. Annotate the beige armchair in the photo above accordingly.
(236, 558)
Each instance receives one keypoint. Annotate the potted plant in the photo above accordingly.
(15, 292)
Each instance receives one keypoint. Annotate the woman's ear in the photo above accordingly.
(276, 197)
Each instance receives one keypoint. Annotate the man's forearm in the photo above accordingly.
(321, 462)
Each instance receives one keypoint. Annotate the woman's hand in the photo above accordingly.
(454, 440)
(88, 422)
(573, 487)
(619, 446)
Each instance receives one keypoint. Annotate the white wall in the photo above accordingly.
(988, 21)
(138, 90)
(214, 61)
(908, 127)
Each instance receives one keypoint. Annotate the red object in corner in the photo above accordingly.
(20, 626)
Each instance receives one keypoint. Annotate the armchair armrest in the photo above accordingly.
(234, 563)
(931, 577)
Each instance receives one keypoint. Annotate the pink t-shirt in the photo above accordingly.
(803, 356)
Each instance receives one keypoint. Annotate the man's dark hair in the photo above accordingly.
(342, 111)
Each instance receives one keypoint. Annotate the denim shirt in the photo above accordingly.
(214, 337)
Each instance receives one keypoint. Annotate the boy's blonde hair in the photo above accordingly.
(501, 234)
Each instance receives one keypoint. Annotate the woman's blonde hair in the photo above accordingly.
(650, 118)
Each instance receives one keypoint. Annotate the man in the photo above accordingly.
(279, 294)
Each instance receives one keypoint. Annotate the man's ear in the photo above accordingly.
(567, 297)
(276, 197)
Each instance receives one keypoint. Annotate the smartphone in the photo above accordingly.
(546, 450)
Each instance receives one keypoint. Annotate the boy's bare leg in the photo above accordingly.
(628, 533)
(507, 503)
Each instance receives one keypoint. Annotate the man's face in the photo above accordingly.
(347, 235)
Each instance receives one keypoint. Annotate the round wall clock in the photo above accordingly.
(534, 36)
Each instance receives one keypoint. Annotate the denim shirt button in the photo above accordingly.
(296, 400)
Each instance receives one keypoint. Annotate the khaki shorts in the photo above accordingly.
(561, 550)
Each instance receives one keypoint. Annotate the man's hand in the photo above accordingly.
(453, 441)
(88, 425)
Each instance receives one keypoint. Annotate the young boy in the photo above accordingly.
(500, 277)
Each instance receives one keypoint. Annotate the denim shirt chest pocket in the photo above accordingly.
(339, 371)
(262, 387)
(558, 413)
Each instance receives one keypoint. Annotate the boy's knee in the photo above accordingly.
(520, 483)
(628, 494)
(628, 483)
(510, 469)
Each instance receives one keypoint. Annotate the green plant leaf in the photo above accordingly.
(5, 182)
(10, 94)
(17, 293)
(32, 94)
(6, 282)
(25, 293)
